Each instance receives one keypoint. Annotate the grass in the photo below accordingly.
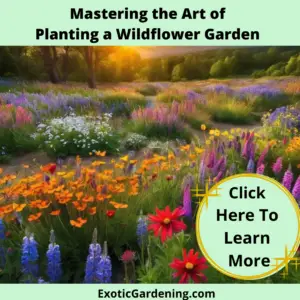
(231, 111)
(197, 119)
(170, 96)
(158, 131)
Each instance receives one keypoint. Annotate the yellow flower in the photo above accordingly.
(211, 131)
(217, 132)
(124, 158)
(203, 127)
(225, 133)
(208, 142)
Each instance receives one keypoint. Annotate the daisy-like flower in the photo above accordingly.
(190, 267)
(165, 222)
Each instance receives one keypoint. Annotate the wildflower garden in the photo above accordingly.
(110, 201)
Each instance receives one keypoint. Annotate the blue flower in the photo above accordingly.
(251, 166)
(29, 257)
(104, 270)
(2, 230)
(54, 270)
(141, 230)
(93, 260)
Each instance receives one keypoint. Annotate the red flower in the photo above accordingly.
(165, 222)
(128, 256)
(169, 177)
(8, 234)
(110, 213)
(190, 267)
(49, 168)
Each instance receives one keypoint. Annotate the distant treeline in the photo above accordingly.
(115, 64)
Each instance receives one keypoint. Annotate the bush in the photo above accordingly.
(231, 111)
(160, 131)
(77, 135)
(123, 103)
(170, 96)
(135, 141)
(148, 90)
(195, 120)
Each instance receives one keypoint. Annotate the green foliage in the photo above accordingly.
(16, 141)
(75, 135)
(135, 141)
(148, 90)
(195, 120)
(159, 131)
(228, 110)
(170, 96)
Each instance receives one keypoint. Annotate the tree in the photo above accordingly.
(50, 61)
(177, 72)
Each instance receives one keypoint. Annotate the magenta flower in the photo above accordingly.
(263, 156)
(277, 166)
(260, 169)
(296, 190)
(288, 179)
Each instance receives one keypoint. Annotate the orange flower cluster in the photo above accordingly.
(83, 190)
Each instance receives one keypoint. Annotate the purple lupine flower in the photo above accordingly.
(29, 258)
(92, 262)
(187, 199)
(54, 270)
(104, 271)
(288, 179)
(218, 177)
(277, 166)
(263, 156)
(202, 169)
(251, 166)
(2, 230)
(261, 169)
(2, 238)
(232, 169)
(211, 159)
(141, 230)
(296, 190)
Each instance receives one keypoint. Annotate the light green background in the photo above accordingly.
(283, 232)
(277, 21)
(90, 292)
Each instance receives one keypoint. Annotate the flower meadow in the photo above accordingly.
(116, 203)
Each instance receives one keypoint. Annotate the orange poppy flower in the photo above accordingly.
(55, 212)
(18, 207)
(99, 153)
(79, 206)
(92, 210)
(118, 205)
(35, 217)
(79, 222)
(88, 199)
(50, 168)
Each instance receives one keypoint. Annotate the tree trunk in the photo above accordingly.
(66, 64)
(50, 63)
(89, 55)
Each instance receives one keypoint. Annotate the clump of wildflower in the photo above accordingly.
(277, 166)
(54, 270)
(2, 238)
(29, 258)
(261, 169)
(296, 190)
(288, 179)
(93, 260)
(104, 271)
(251, 166)
(187, 199)
(141, 230)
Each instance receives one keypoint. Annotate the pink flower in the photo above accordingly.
(277, 166)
